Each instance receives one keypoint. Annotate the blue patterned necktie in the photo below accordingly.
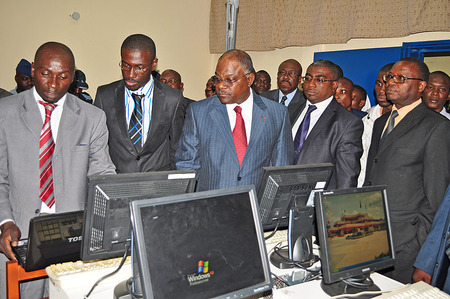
(135, 126)
(302, 132)
(283, 100)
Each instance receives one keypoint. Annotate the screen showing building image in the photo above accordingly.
(357, 230)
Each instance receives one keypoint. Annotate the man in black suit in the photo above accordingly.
(144, 116)
(288, 77)
(410, 153)
(334, 133)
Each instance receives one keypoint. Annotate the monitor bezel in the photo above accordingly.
(271, 170)
(123, 178)
(328, 276)
(139, 243)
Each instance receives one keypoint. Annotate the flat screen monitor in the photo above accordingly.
(106, 230)
(283, 187)
(201, 245)
(355, 236)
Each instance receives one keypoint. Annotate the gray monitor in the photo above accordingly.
(201, 245)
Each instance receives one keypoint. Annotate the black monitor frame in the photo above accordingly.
(283, 187)
(141, 244)
(107, 226)
(329, 275)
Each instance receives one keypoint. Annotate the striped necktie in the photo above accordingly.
(135, 126)
(46, 148)
(283, 100)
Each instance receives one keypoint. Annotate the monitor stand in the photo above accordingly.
(365, 283)
(280, 259)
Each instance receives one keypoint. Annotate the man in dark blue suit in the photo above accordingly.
(229, 137)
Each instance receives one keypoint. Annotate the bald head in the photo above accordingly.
(172, 78)
(56, 49)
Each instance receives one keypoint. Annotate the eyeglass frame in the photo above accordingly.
(137, 69)
(317, 80)
(289, 74)
(227, 81)
(398, 76)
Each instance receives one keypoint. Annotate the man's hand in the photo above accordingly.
(420, 275)
(9, 237)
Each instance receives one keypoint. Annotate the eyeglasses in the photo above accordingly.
(170, 80)
(317, 80)
(227, 81)
(398, 78)
(289, 74)
(137, 69)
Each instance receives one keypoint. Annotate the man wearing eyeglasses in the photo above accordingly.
(410, 153)
(324, 131)
(288, 78)
(230, 137)
(144, 116)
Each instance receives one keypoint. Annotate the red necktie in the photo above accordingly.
(239, 136)
(46, 147)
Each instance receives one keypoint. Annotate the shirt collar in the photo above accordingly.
(321, 106)
(38, 98)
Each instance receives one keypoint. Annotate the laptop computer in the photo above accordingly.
(54, 238)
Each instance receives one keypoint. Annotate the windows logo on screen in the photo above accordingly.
(202, 275)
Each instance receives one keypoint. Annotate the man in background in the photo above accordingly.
(345, 95)
(144, 116)
(359, 101)
(230, 137)
(173, 79)
(288, 78)
(78, 85)
(410, 154)
(437, 92)
(383, 106)
(23, 77)
(262, 82)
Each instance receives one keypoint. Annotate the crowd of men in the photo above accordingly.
(51, 141)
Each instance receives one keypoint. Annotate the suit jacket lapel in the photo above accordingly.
(219, 116)
(404, 126)
(157, 109)
(258, 128)
(119, 96)
(69, 119)
(31, 115)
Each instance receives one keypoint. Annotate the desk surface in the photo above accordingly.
(312, 289)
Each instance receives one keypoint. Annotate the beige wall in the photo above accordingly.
(179, 28)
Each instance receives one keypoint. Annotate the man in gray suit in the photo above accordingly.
(160, 111)
(229, 137)
(288, 77)
(410, 153)
(77, 145)
(334, 133)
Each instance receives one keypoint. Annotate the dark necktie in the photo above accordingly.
(302, 131)
(135, 126)
(239, 135)
(391, 124)
(283, 100)
(46, 148)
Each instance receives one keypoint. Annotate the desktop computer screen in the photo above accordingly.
(201, 245)
(354, 233)
(106, 230)
(283, 187)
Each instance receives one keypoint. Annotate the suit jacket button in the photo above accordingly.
(239, 178)
(37, 211)
(138, 158)
(368, 184)
(375, 160)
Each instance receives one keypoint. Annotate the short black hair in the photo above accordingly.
(140, 42)
(386, 68)
(264, 72)
(424, 72)
(57, 46)
(442, 74)
(242, 57)
(361, 89)
(335, 69)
